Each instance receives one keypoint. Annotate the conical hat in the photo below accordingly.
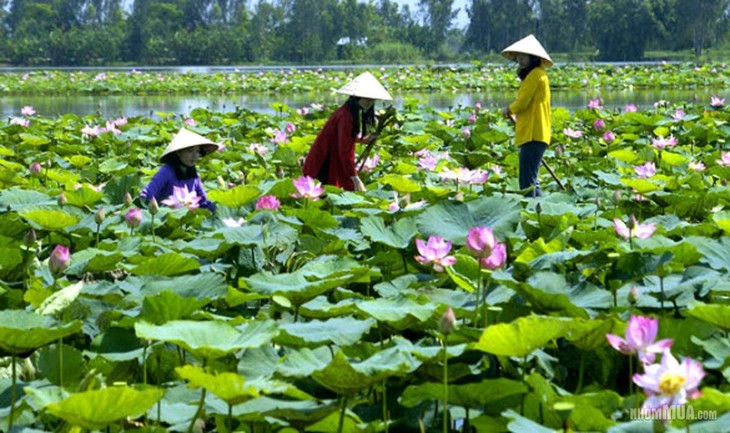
(185, 138)
(528, 45)
(366, 85)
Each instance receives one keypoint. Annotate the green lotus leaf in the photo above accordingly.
(200, 286)
(205, 340)
(468, 395)
(98, 408)
(401, 184)
(49, 219)
(320, 308)
(166, 264)
(592, 412)
(712, 399)
(716, 253)
(229, 387)
(472, 160)
(262, 408)
(550, 292)
(347, 198)
(332, 423)
(399, 235)
(22, 331)
(79, 160)
(673, 159)
(44, 396)
(522, 336)
(10, 258)
(452, 220)
(314, 218)
(264, 235)
(167, 306)
(347, 378)
(94, 260)
(304, 362)
(113, 165)
(17, 198)
(73, 365)
(34, 140)
(625, 155)
(310, 281)
(60, 300)
(716, 314)
(642, 186)
(83, 197)
(340, 331)
(722, 219)
(400, 313)
(520, 424)
(235, 197)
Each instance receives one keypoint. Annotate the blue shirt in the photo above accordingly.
(160, 187)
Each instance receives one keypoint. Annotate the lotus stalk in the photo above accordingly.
(341, 424)
(13, 396)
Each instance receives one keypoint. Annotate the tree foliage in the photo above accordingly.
(161, 32)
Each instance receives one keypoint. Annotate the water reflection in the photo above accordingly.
(149, 105)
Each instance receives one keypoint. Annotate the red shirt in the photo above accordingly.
(331, 158)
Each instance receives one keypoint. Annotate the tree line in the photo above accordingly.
(225, 32)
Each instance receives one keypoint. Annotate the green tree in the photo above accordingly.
(620, 29)
(437, 18)
(494, 24)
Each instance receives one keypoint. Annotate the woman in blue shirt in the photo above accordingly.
(179, 172)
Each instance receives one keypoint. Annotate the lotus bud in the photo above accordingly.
(633, 295)
(59, 260)
(35, 169)
(128, 199)
(609, 137)
(153, 206)
(599, 125)
(100, 215)
(221, 182)
(133, 217)
(598, 202)
(61, 199)
(448, 322)
(616, 196)
(30, 238)
(632, 221)
(538, 208)
(724, 182)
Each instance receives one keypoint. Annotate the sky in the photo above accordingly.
(461, 20)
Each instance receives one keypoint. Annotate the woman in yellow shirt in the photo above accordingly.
(531, 109)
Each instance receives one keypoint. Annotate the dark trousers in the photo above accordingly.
(530, 159)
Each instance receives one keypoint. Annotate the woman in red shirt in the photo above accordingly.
(331, 158)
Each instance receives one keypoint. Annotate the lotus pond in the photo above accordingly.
(438, 300)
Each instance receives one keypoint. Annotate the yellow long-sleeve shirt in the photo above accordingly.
(532, 108)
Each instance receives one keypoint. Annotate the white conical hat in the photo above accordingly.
(528, 45)
(185, 138)
(366, 85)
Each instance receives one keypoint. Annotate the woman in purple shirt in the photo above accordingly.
(178, 173)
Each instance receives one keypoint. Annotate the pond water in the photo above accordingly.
(149, 105)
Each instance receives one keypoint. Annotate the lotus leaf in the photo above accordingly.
(295, 411)
(49, 219)
(340, 331)
(399, 313)
(523, 335)
(235, 197)
(60, 300)
(399, 236)
(229, 387)
(166, 264)
(472, 395)
(98, 408)
(167, 306)
(452, 220)
(205, 340)
(716, 314)
(24, 331)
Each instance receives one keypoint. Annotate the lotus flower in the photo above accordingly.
(20, 121)
(182, 197)
(631, 108)
(646, 170)
(35, 169)
(370, 163)
(640, 335)
(290, 128)
(447, 324)
(661, 142)
(427, 161)
(190, 122)
(724, 159)
(678, 115)
(609, 137)
(133, 217)
(696, 166)
(596, 104)
(572, 134)
(268, 202)
(27, 110)
(671, 382)
(59, 260)
(435, 252)
(308, 188)
(716, 101)
(637, 230)
(280, 137)
(599, 125)
(482, 243)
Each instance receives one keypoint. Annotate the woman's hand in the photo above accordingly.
(506, 112)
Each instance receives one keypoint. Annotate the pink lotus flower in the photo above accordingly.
(308, 188)
(27, 111)
(640, 335)
(716, 101)
(133, 217)
(482, 243)
(599, 125)
(59, 260)
(466, 132)
(290, 128)
(435, 252)
(472, 118)
(646, 170)
(303, 111)
(465, 176)
(572, 134)
(637, 230)
(477, 106)
(407, 205)
(670, 383)
(448, 321)
(370, 163)
(88, 131)
(20, 121)
(280, 137)
(609, 137)
(595, 104)
(190, 122)
(678, 115)
(724, 159)
(35, 169)
(258, 148)
(182, 197)
(427, 161)
(631, 108)
(268, 202)
(661, 142)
